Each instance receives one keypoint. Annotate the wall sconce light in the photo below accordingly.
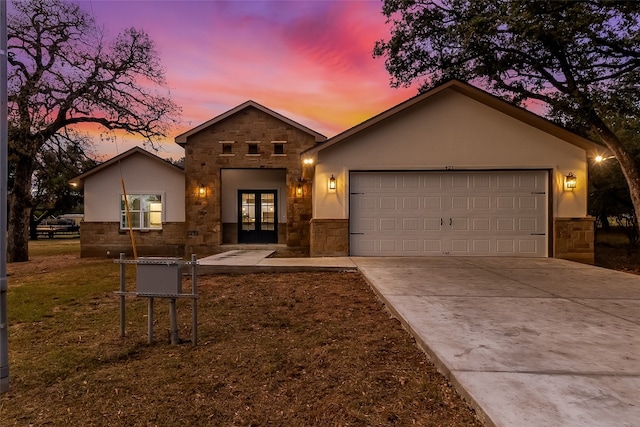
(299, 189)
(202, 191)
(332, 184)
(570, 181)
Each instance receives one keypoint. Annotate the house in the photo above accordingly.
(243, 181)
(155, 190)
(454, 171)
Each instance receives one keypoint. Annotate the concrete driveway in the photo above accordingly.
(528, 341)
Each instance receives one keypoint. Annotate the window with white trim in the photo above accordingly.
(145, 211)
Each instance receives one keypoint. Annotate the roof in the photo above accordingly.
(182, 138)
(475, 93)
(133, 151)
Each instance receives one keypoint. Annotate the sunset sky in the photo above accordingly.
(308, 60)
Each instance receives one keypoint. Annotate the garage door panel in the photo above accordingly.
(505, 224)
(505, 182)
(528, 224)
(387, 224)
(432, 246)
(481, 182)
(505, 246)
(432, 224)
(432, 203)
(481, 246)
(432, 182)
(411, 224)
(528, 203)
(388, 182)
(444, 213)
(364, 203)
(528, 246)
(481, 203)
(411, 203)
(459, 224)
(410, 182)
(481, 224)
(460, 203)
(460, 246)
(388, 203)
(505, 203)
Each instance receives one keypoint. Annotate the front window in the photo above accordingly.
(145, 211)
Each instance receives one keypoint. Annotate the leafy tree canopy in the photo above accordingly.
(63, 72)
(574, 56)
(580, 58)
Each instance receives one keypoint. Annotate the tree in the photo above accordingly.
(62, 74)
(580, 58)
(58, 162)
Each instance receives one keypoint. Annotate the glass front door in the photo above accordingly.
(258, 216)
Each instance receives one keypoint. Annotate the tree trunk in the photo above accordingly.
(19, 211)
(627, 162)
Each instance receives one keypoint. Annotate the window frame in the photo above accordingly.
(253, 149)
(279, 146)
(144, 214)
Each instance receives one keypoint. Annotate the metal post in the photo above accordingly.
(194, 291)
(173, 321)
(4, 176)
(150, 320)
(123, 288)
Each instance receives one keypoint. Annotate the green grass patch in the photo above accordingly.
(57, 246)
(274, 349)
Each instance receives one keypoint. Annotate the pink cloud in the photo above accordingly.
(308, 60)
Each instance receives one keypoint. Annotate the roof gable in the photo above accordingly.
(182, 138)
(474, 93)
(114, 160)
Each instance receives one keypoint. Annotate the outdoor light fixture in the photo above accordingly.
(600, 158)
(202, 191)
(308, 161)
(332, 184)
(299, 189)
(570, 181)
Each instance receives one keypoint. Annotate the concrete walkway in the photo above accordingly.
(238, 261)
(528, 341)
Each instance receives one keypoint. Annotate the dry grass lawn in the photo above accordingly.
(306, 349)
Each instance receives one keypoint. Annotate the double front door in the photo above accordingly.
(257, 216)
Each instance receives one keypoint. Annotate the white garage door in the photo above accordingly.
(449, 213)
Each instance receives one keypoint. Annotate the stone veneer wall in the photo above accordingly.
(574, 239)
(329, 237)
(204, 161)
(98, 238)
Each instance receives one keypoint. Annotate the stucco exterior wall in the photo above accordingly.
(142, 175)
(450, 131)
(205, 160)
(253, 179)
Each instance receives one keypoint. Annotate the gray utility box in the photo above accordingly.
(158, 276)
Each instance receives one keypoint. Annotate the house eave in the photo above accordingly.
(476, 94)
(78, 180)
(182, 138)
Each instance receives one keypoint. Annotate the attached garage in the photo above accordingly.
(454, 171)
(479, 213)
